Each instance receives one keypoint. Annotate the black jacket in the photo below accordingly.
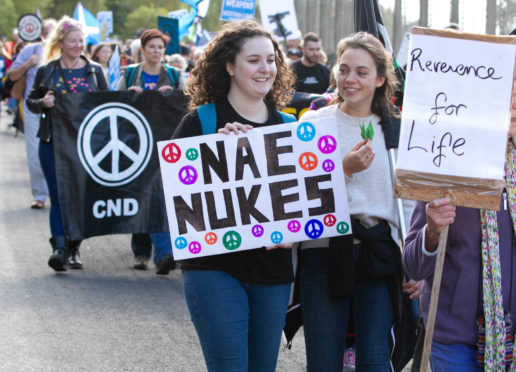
(44, 81)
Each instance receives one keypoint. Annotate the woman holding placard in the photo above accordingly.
(238, 301)
(474, 325)
(152, 74)
(67, 71)
(359, 274)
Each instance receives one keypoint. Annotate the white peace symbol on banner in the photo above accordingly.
(138, 158)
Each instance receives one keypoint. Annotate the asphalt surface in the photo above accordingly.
(107, 317)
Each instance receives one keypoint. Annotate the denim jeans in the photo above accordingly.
(325, 318)
(141, 244)
(454, 357)
(46, 157)
(239, 324)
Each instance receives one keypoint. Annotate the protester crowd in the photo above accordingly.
(238, 302)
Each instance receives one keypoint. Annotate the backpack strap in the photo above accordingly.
(173, 76)
(208, 117)
(286, 118)
(129, 75)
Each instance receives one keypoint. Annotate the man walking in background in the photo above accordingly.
(311, 76)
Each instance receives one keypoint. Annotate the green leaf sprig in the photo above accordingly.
(367, 133)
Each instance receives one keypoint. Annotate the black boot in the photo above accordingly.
(58, 258)
(74, 259)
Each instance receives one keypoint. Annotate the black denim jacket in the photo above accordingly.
(44, 81)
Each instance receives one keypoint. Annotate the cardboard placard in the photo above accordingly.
(456, 115)
(275, 184)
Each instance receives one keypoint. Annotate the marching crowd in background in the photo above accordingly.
(238, 302)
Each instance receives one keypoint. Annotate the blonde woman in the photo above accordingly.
(66, 71)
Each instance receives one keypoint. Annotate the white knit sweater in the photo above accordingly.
(370, 192)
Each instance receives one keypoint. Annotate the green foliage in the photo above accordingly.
(8, 17)
(212, 20)
(143, 16)
(57, 8)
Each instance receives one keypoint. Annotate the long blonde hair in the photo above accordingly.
(52, 44)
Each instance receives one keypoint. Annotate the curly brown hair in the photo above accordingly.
(382, 103)
(209, 81)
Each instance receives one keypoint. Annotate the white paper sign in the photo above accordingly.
(456, 108)
(277, 184)
(283, 11)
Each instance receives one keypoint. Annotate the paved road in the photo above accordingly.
(107, 317)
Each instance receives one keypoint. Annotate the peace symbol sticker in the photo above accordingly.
(308, 161)
(276, 237)
(210, 238)
(192, 154)
(314, 229)
(306, 132)
(329, 220)
(188, 175)
(328, 165)
(342, 227)
(180, 243)
(194, 247)
(171, 153)
(294, 226)
(327, 144)
(231, 240)
(109, 154)
(257, 231)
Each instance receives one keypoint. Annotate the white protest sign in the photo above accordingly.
(456, 107)
(276, 184)
(279, 18)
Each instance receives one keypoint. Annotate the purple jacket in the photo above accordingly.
(460, 299)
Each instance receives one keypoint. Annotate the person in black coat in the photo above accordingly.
(67, 71)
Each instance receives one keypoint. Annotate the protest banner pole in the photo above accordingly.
(434, 298)
(399, 203)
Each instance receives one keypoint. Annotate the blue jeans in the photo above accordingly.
(326, 319)
(141, 245)
(239, 324)
(454, 357)
(46, 157)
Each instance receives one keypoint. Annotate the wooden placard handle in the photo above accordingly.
(434, 298)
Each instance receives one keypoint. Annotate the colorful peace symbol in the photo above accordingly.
(276, 237)
(314, 229)
(257, 230)
(308, 161)
(294, 226)
(192, 154)
(194, 247)
(328, 165)
(342, 227)
(329, 220)
(231, 240)
(327, 144)
(305, 132)
(188, 175)
(171, 153)
(211, 238)
(180, 243)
